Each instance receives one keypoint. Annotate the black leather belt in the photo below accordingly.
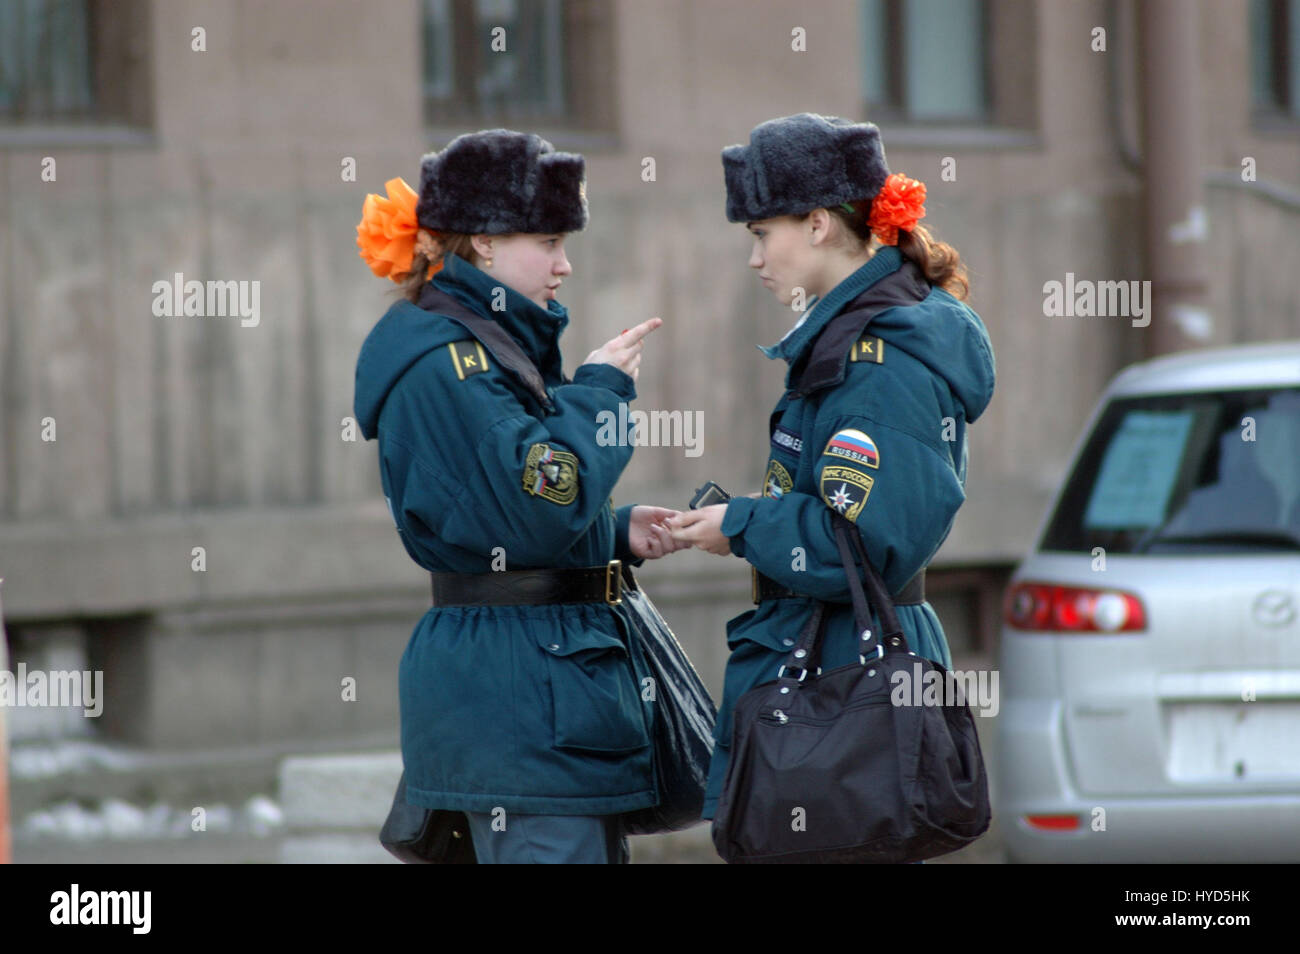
(589, 584)
(765, 588)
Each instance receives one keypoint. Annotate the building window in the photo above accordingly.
(46, 67)
(1275, 52)
(926, 61)
(75, 68)
(517, 61)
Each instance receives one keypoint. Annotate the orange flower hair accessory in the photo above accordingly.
(386, 234)
(899, 204)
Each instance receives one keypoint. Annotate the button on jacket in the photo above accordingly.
(534, 709)
(886, 447)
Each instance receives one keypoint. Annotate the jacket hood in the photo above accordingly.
(949, 338)
(943, 333)
(402, 337)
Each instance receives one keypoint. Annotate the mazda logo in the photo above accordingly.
(1273, 608)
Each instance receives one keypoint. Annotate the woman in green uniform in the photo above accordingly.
(873, 421)
(520, 705)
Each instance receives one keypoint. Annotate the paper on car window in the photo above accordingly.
(1138, 470)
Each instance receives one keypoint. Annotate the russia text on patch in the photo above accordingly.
(855, 446)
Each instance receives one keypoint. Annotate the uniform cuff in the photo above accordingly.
(606, 376)
(734, 521)
(622, 549)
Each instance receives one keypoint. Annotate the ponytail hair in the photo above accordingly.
(446, 243)
(939, 261)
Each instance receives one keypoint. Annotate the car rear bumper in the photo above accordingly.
(1033, 779)
(1241, 829)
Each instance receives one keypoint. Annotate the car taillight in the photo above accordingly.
(1053, 822)
(1072, 609)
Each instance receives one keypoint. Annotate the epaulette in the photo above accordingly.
(825, 365)
(467, 357)
(868, 348)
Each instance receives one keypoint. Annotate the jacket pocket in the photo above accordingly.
(775, 627)
(595, 705)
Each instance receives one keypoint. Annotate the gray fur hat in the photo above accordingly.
(798, 163)
(497, 181)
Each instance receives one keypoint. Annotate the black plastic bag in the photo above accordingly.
(426, 836)
(683, 725)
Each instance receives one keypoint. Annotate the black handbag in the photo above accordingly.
(427, 836)
(683, 725)
(826, 768)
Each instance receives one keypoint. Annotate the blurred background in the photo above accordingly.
(184, 505)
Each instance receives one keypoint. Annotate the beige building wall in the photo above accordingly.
(179, 433)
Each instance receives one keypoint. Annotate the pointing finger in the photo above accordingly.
(640, 331)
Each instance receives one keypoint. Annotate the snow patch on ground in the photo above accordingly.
(113, 818)
(58, 758)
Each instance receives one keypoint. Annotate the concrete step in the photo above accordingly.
(43, 773)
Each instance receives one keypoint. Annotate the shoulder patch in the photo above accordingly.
(845, 489)
(551, 474)
(777, 482)
(467, 357)
(853, 446)
(868, 348)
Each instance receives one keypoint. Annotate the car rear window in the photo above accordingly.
(1196, 472)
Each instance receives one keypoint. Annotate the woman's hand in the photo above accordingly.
(624, 352)
(648, 537)
(701, 528)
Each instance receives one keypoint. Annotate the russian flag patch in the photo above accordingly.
(854, 446)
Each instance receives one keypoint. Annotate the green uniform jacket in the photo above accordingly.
(534, 709)
(887, 448)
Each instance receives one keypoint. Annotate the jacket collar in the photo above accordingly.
(886, 261)
(536, 329)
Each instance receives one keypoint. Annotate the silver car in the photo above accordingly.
(1150, 651)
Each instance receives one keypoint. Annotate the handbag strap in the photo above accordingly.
(806, 655)
(492, 336)
(802, 658)
(846, 535)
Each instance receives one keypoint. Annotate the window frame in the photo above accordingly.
(586, 120)
(1003, 124)
(1280, 113)
(121, 80)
